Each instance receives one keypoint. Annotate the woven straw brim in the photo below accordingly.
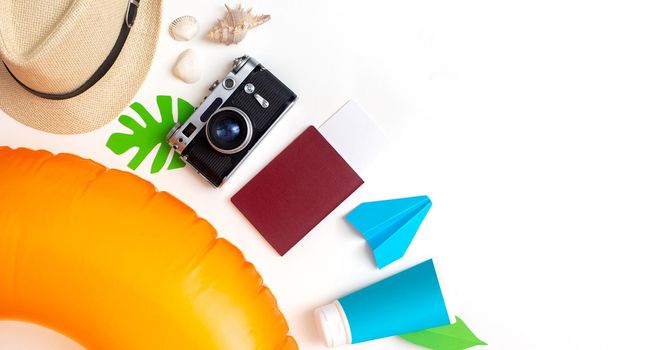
(101, 103)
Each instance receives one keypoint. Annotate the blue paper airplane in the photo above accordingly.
(390, 225)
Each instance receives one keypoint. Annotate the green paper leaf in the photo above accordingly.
(152, 136)
(456, 336)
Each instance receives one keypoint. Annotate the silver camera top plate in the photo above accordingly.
(243, 66)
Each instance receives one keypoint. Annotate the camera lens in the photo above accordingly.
(229, 130)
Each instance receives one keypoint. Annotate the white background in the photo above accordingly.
(530, 124)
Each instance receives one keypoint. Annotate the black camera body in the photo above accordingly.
(232, 120)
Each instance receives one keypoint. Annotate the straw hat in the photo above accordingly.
(71, 66)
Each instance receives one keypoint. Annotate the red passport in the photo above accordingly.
(297, 190)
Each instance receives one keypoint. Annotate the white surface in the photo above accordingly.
(531, 125)
(355, 135)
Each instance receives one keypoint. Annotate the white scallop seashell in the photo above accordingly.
(183, 28)
(187, 68)
(235, 25)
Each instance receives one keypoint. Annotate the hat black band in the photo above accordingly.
(130, 16)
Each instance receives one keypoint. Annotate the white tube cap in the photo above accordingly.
(333, 324)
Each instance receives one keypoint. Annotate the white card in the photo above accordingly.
(355, 135)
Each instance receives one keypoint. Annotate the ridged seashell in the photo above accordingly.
(187, 67)
(183, 28)
(235, 25)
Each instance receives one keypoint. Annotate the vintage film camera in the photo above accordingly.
(230, 122)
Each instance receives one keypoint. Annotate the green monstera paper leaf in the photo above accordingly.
(456, 336)
(147, 138)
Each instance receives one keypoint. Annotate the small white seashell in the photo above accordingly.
(187, 67)
(235, 25)
(183, 28)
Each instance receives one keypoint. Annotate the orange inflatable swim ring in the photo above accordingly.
(102, 257)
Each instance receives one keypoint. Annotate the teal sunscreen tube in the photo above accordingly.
(409, 301)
